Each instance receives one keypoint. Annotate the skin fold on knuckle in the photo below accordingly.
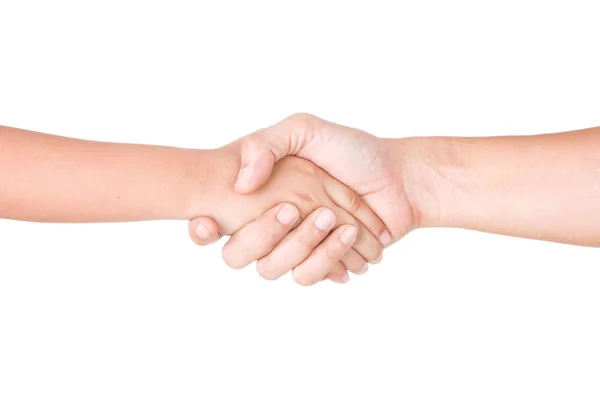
(269, 233)
(305, 124)
(360, 233)
(331, 253)
(353, 201)
(309, 237)
(306, 198)
(261, 236)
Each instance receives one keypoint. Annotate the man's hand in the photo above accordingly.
(366, 164)
(537, 186)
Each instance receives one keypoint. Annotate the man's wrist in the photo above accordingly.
(428, 168)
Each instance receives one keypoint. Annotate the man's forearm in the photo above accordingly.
(55, 179)
(543, 187)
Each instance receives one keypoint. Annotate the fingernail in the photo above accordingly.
(325, 219)
(202, 232)
(244, 176)
(287, 214)
(346, 277)
(349, 235)
(385, 238)
(378, 260)
(363, 269)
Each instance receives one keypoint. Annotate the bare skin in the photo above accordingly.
(50, 178)
(544, 187)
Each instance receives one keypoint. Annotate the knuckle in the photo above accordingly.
(301, 118)
(306, 123)
(354, 201)
(269, 233)
(306, 171)
(251, 141)
(330, 253)
(311, 169)
(360, 234)
(253, 138)
(307, 240)
(309, 235)
(306, 200)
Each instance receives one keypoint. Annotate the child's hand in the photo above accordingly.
(309, 188)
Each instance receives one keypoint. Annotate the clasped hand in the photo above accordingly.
(333, 201)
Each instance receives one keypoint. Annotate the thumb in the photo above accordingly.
(257, 160)
(262, 149)
(203, 231)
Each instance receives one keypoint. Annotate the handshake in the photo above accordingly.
(309, 196)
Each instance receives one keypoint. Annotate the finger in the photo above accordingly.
(259, 236)
(326, 256)
(298, 245)
(338, 274)
(262, 149)
(347, 199)
(378, 260)
(366, 243)
(354, 262)
(203, 231)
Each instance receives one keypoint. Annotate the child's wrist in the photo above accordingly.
(211, 184)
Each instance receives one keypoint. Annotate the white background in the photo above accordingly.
(132, 311)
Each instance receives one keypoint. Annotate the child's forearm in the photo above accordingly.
(56, 179)
(543, 187)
